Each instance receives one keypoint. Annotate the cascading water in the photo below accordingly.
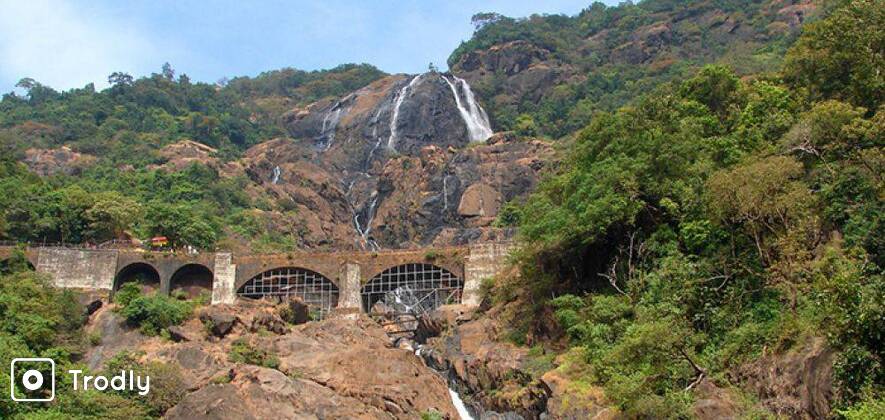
(445, 192)
(400, 97)
(276, 175)
(330, 123)
(364, 231)
(459, 405)
(478, 127)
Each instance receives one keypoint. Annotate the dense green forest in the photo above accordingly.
(717, 219)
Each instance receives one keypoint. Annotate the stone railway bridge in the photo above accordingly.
(325, 280)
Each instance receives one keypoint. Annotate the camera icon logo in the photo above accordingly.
(28, 372)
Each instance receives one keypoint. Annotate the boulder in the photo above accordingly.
(797, 384)
(220, 323)
(270, 322)
(294, 311)
(491, 370)
(713, 402)
(479, 199)
(261, 393)
(178, 334)
(93, 306)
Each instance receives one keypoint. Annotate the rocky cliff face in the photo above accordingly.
(405, 161)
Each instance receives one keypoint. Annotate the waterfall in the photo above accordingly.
(445, 192)
(330, 122)
(400, 97)
(478, 127)
(276, 175)
(363, 231)
(459, 405)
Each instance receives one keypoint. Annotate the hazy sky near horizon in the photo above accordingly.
(66, 43)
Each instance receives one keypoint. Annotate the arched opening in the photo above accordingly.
(192, 280)
(317, 291)
(14, 265)
(412, 289)
(142, 273)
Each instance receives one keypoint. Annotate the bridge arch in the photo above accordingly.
(145, 274)
(412, 287)
(315, 289)
(192, 279)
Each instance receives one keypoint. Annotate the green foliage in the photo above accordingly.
(525, 126)
(842, 57)
(621, 52)
(124, 127)
(242, 351)
(168, 386)
(154, 313)
(873, 408)
(127, 293)
(431, 415)
(713, 220)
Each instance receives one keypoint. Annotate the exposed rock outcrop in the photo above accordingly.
(438, 195)
(62, 160)
(336, 368)
(798, 384)
(488, 371)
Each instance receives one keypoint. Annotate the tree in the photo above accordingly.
(168, 72)
(111, 215)
(843, 56)
(119, 79)
(714, 86)
(480, 20)
(525, 125)
(767, 200)
(37, 93)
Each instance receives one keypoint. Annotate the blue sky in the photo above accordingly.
(65, 44)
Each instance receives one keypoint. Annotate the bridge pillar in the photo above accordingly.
(483, 261)
(349, 289)
(225, 279)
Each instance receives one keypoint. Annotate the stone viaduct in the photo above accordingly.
(345, 280)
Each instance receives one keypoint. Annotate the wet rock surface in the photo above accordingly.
(488, 373)
(393, 165)
(435, 194)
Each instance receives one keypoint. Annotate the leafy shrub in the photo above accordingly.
(873, 408)
(241, 351)
(155, 313)
(126, 293)
(167, 382)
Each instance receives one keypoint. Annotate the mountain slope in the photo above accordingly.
(350, 157)
(549, 74)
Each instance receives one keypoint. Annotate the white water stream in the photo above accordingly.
(330, 123)
(400, 97)
(276, 175)
(459, 405)
(478, 127)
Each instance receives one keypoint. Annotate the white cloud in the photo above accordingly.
(63, 45)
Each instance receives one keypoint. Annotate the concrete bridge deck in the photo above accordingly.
(345, 275)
